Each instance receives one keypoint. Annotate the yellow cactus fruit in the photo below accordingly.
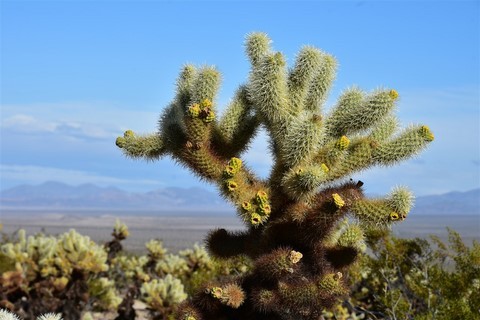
(339, 202)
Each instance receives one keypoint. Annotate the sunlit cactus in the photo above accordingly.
(163, 294)
(296, 232)
(104, 293)
(56, 274)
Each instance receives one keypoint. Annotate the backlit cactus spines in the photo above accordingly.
(298, 234)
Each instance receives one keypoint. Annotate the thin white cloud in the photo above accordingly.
(27, 124)
(18, 174)
(75, 120)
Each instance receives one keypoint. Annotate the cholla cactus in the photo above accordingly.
(163, 294)
(104, 293)
(155, 249)
(6, 315)
(197, 258)
(293, 216)
(54, 274)
(172, 264)
(120, 232)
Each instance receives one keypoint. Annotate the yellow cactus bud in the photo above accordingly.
(229, 171)
(60, 283)
(262, 197)
(247, 206)
(255, 219)
(216, 292)
(265, 209)
(235, 163)
(393, 94)
(339, 202)
(343, 143)
(128, 134)
(425, 131)
(194, 110)
(394, 216)
(206, 103)
(210, 116)
(324, 168)
(231, 185)
(295, 256)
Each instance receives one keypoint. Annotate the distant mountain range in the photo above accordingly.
(56, 195)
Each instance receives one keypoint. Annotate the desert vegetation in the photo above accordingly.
(79, 279)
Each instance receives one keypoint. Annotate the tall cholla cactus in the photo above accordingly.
(297, 234)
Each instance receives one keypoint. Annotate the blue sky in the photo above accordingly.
(75, 75)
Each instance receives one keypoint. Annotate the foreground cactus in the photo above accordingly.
(6, 315)
(55, 274)
(296, 233)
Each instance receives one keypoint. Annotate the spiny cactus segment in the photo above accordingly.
(296, 234)
(6, 315)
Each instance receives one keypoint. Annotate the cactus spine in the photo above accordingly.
(296, 233)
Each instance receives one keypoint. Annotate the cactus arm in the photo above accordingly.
(257, 45)
(385, 129)
(300, 77)
(149, 147)
(394, 207)
(409, 143)
(205, 85)
(321, 84)
(236, 127)
(185, 83)
(268, 88)
(302, 139)
(355, 113)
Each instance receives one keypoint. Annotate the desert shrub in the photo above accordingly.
(417, 279)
